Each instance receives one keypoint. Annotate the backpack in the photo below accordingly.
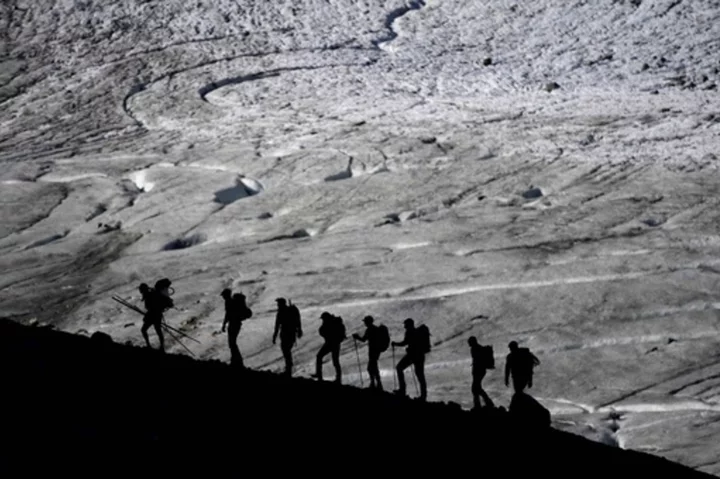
(423, 339)
(294, 314)
(383, 342)
(339, 328)
(488, 356)
(242, 309)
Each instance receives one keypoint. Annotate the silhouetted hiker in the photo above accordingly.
(288, 324)
(520, 363)
(236, 311)
(155, 305)
(378, 339)
(482, 360)
(417, 341)
(333, 332)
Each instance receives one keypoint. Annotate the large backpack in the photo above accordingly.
(295, 318)
(339, 328)
(383, 342)
(423, 339)
(241, 308)
(488, 356)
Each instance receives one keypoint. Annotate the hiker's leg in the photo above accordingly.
(476, 393)
(480, 391)
(144, 331)
(420, 371)
(374, 370)
(336, 362)
(318, 360)
(287, 354)
(519, 383)
(486, 398)
(233, 331)
(158, 330)
(404, 363)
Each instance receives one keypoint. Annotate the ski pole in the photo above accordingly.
(358, 362)
(417, 391)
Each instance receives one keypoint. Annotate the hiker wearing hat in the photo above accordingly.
(333, 332)
(288, 325)
(417, 342)
(236, 311)
(378, 339)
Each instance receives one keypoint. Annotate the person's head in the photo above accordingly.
(226, 293)
(409, 323)
(472, 341)
(281, 302)
(368, 320)
(144, 288)
(325, 316)
(513, 346)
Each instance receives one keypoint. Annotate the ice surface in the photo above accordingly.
(380, 157)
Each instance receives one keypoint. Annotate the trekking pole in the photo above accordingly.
(394, 370)
(417, 391)
(358, 361)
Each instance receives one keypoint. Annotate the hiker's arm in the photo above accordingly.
(537, 361)
(507, 371)
(401, 343)
(362, 338)
(277, 327)
(224, 323)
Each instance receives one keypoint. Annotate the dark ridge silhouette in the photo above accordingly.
(72, 403)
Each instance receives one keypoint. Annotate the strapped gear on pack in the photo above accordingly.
(423, 339)
(383, 342)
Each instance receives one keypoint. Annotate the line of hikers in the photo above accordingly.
(519, 365)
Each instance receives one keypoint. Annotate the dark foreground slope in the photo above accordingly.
(70, 402)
